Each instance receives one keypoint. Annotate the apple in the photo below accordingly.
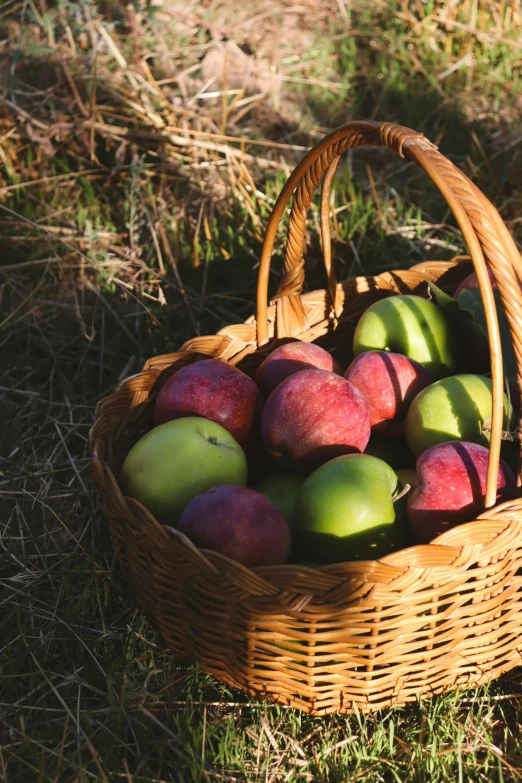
(389, 381)
(345, 510)
(311, 417)
(474, 345)
(213, 390)
(409, 325)
(239, 523)
(453, 408)
(281, 489)
(471, 282)
(408, 476)
(514, 396)
(290, 358)
(178, 460)
(452, 488)
(394, 451)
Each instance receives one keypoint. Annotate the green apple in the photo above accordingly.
(408, 476)
(345, 510)
(409, 325)
(178, 460)
(281, 489)
(452, 409)
(394, 451)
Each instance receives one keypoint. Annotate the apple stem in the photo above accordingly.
(404, 491)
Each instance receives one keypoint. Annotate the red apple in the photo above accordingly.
(239, 523)
(474, 347)
(213, 390)
(313, 417)
(452, 488)
(389, 381)
(471, 282)
(289, 359)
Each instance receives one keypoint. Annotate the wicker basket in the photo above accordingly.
(421, 621)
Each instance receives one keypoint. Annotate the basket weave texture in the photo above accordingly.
(424, 620)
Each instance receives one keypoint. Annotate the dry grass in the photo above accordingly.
(141, 149)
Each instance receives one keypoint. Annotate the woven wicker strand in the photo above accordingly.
(421, 621)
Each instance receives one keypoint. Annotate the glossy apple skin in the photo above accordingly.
(389, 382)
(452, 488)
(312, 417)
(178, 460)
(472, 283)
(409, 325)
(239, 523)
(453, 408)
(282, 489)
(290, 358)
(213, 390)
(345, 510)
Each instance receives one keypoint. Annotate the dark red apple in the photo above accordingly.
(213, 390)
(471, 282)
(389, 382)
(452, 488)
(239, 523)
(313, 417)
(289, 359)
(474, 348)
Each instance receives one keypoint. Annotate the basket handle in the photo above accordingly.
(485, 234)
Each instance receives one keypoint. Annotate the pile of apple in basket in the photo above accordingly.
(356, 465)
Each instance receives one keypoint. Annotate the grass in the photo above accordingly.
(133, 197)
